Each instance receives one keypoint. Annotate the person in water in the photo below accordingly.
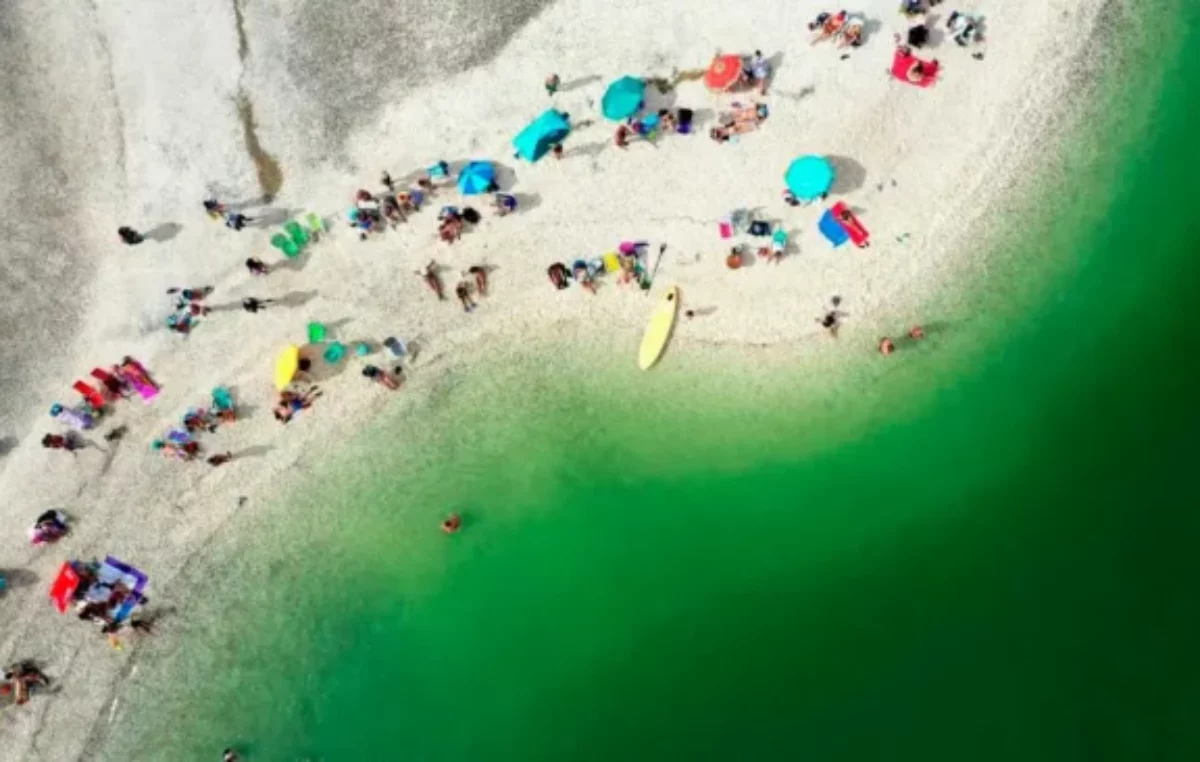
(452, 523)
(886, 346)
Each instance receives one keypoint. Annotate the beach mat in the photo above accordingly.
(857, 232)
(832, 229)
(901, 63)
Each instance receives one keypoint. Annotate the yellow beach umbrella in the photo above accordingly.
(286, 366)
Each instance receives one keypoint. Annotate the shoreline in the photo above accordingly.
(343, 411)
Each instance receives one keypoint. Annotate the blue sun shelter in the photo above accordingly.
(623, 98)
(535, 141)
(809, 177)
(477, 177)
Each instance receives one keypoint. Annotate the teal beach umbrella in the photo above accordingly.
(535, 141)
(623, 98)
(809, 177)
(477, 177)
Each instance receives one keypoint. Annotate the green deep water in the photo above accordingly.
(982, 548)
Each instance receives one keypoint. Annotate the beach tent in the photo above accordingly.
(809, 177)
(477, 177)
(723, 73)
(623, 98)
(535, 140)
(286, 366)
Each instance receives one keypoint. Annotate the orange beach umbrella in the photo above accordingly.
(723, 73)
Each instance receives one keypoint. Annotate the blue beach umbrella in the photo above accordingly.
(623, 98)
(809, 177)
(477, 177)
(535, 140)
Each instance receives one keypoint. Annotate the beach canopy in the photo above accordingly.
(477, 177)
(623, 98)
(809, 177)
(286, 366)
(533, 142)
(723, 73)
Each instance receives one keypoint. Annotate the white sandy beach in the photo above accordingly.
(140, 123)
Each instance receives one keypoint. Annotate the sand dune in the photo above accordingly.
(162, 103)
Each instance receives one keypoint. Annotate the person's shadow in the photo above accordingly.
(163, 232)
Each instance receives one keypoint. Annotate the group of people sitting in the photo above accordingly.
(848, 29)
(371, 212)
(739, 120)
(649, 126)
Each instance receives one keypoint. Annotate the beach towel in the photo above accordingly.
(395, 346)
(858, 234)
(93, 397)
(903, 61)
(832, 229)
(612, 263)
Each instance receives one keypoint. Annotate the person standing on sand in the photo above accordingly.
(257, 266)
(215, 209)
(386, 181)
(557, 150)
(130, 236)
(236, 220)
(551, 84)
(250, 304)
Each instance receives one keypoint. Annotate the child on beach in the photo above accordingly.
(551, 84)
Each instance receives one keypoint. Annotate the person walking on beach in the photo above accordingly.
(250, 304)
(257, 266)
(386, 181)
(130, 236)
(213, 208)
(219, 459)
(236, 220)
(551, 84)
(463, 292)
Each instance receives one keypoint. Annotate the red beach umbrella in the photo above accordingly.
(723, 73)
(64, 587)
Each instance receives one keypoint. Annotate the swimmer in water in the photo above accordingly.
(452, 523)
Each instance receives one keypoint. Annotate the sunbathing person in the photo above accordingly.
(829, 24)
(852, 33)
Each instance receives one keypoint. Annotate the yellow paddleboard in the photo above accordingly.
(658, 330)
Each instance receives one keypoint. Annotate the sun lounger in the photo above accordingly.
(858, 234)
(89, 393)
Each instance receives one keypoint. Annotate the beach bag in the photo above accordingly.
(470, 215)
(760, 228)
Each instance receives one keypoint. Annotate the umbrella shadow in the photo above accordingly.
(527, 202)
(163, 232)
(320, 369)
(657, 99)
(871, 28)
(296, 263)
(8, 444)
(848, 175)
(578, 82)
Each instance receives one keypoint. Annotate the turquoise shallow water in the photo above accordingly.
(986, 552)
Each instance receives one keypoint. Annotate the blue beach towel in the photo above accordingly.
(832, 229)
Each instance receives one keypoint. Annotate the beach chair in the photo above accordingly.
(316, 225)
(90, 395)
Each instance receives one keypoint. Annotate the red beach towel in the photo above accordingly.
(858, 234)
(902, 62)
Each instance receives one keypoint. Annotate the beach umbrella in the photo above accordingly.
(477, 177)
(62, 591)
(809, 177)
(623, 98)
(533, 142)
(286, 366)
(723, 73)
